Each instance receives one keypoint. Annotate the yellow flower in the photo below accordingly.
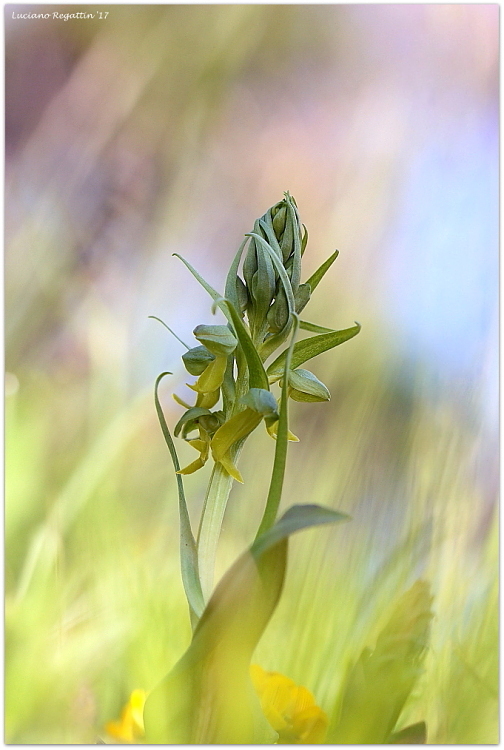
(130, 727)
(290, 709)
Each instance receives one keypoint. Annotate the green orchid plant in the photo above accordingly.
(214, 695)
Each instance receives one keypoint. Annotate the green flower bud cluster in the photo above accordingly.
(267, 295)
(229, 361)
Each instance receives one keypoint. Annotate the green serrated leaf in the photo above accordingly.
(208, 697)
(319, 274)
(309, 348)
(188, 551)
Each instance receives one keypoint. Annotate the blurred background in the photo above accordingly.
(171, 128)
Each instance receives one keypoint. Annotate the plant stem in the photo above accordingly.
(214, 507)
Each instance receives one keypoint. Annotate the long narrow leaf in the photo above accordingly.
(309, 348)
(319, 274)
(188, 553)
(314, 328)
(208, 697)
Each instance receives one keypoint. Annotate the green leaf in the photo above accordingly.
(306, 326)
(414, 734)
(296, 240)
(319, 274)
(208, 697)
(309, 348)
(257, 373)
(296, 518)
(378, 685)
(188, 552)
(302, 297)
(304, 241)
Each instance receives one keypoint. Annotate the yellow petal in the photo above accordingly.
(290, 709)
(192, 467)
(130, 727)
(272, 428)
(208, 400)
(231, 469)
(211, 379)
(234, 429)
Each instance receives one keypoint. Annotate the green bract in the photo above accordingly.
(304, 386)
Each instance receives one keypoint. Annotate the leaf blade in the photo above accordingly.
(319, 274)
(188, 551)
(308, 348)
(208, 697)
